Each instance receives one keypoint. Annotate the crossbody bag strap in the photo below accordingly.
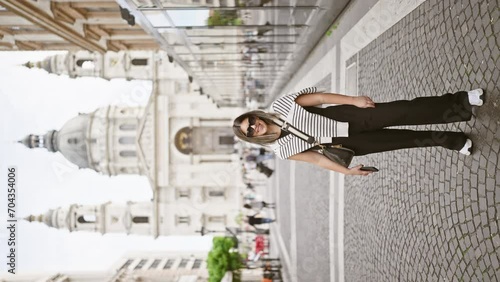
(289, 128)
(280, 121)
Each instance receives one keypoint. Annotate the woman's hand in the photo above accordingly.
(322, 161)
(363, 102)
(357, 171)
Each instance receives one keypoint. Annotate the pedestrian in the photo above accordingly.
(254, 220)
(259, 205)
(264, 169)
(357, 123)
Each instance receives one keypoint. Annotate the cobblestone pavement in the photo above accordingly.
(431, 214)
(311, 248)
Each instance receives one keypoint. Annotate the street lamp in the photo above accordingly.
(234, 231)
(203, 231)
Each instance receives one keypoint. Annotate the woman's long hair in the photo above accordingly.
(260, 140)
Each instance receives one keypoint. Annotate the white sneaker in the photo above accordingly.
(476, 97)
(466, 150)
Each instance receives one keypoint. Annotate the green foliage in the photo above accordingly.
(332, 28)
(222, 258)
(237, 21)
(224, 18)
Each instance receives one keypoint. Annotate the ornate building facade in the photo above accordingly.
(143, 266)
(181, 141)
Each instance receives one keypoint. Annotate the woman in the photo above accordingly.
(357, 123)
(256, 220)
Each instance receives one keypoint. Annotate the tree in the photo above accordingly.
(224, 18)
(222, 258)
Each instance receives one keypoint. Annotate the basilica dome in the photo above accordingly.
(71, 140)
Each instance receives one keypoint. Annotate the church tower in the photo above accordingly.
(132, 218)
(176, 214)
(109, 65)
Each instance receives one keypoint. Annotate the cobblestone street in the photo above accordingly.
(431, 214)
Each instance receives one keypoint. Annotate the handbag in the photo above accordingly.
(335, 153)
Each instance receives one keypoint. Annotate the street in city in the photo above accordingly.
(430, 214)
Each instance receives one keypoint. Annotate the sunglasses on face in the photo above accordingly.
(250, 130)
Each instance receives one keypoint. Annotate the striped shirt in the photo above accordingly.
(311, 124)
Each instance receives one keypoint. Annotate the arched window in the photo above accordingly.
(140, 219)
(85, 63)
(127, 140)
(88, 218)
(140, 62)
(128, 154)
(127, 127)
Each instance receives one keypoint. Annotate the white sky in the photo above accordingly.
(33, 101)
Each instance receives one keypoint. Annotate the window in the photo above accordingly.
(127, 127)
(169, 264)
(183, 194)
(126, 264)
(127, 140)
(128, 154)
(141, 264)
(216, 194)
(72, 140)
(155, 264)
(88, 218)
(85, 63)
(209, 63)
(217, 219)
(197, 263)
(226, 140)
(183, 263)
(183, 220)
(140, 62)
(140, 219)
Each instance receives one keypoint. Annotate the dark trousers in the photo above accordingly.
(367, 132)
